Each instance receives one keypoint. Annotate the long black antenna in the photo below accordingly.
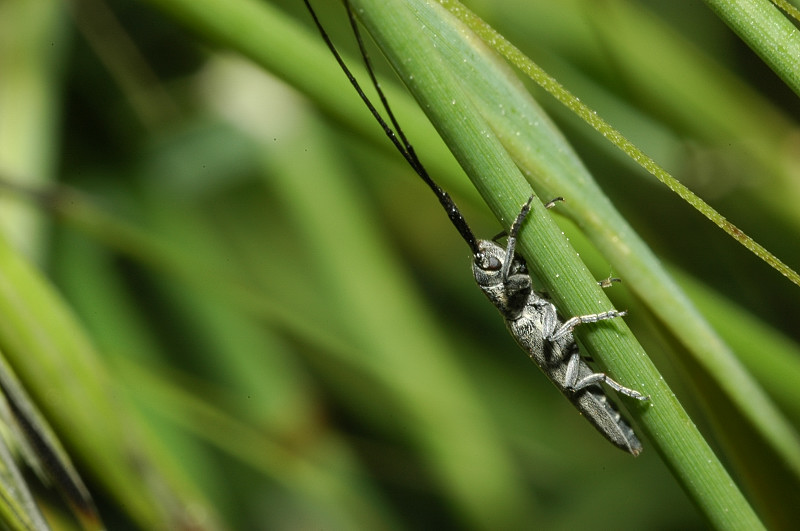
(402, 144)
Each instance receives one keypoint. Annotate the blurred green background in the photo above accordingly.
(272, 291)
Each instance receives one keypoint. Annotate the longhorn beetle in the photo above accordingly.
(503, 277)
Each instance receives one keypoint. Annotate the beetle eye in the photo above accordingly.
(493, 264)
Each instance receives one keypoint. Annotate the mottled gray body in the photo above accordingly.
(534, 323)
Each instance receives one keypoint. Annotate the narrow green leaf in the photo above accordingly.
(18, 511)
(531, 69)
(43, 450)
(768, 33)
(60, 368)
(437, 81)
(33, 41)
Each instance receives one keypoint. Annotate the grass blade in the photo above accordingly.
(495, 175)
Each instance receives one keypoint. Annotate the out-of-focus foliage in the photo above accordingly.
(289, 319)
